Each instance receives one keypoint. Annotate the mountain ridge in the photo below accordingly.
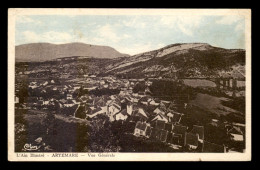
(189, 59)
(48, 51)
(184, 59)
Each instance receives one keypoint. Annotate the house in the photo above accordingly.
(160, 117)
(148, 83)
(192, 140)
(156, 134)
(45, 83)
(240, 126)
(122, 115)
(141, 94)
(214, 122)
(148, 131)
(160, 124)
(113, 109)
(129, 108)
(154, 103)
(33, 86)
(46, 102)
(62, 102)
(163, 135)
(172, 106)
(158, 110)
(16, 99)
(163, 106)
(176, 117)
(123, 92)
(147, 91)
(94, 113)
(69, 103)
(136, 99)
(84, 99)
(140, 114)
(102, 82)
(128, 99)
(102, 104)
(144, 100)
(177, 139)
(77, 101)
(179, 134)
(27, 72)
(69, 96)
(235, 134)
(169, 137)
(140, 129)
(170, 116)
(198, 130)
(76, 88)
(168, 127)
(96, 100)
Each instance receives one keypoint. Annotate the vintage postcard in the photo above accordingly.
(129, 84)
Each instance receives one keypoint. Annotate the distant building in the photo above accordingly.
(16, 99)
(69, 96)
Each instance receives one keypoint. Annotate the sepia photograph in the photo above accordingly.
(129, 84)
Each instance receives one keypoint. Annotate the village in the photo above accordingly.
(85, 96)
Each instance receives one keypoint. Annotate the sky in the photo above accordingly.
(132, 34)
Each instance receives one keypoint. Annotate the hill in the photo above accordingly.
(47, 51)
(186, 60)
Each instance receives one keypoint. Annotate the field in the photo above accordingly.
(214, 105)
(199, 83)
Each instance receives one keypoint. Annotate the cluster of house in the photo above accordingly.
(171, 133)
(156, 119)
(49, 90)
(59, 69)
(122, 107)
(177, 136)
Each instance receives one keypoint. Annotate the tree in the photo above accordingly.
(23, 94)
(48, 122)
(139, 87)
